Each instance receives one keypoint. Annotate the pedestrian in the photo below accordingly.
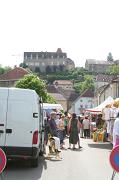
(86, 127)
(54, 129)
(74, 129)
(66, 119)
(60, 129)
(81, 126)
(116, 131)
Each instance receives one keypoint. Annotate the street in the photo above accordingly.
(89, 163)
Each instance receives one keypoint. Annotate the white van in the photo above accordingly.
(21, 124)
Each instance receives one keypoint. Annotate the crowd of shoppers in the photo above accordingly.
(61, 126)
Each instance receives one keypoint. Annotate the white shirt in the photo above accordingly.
(113, 112)
(106, 114)
(115, 130)
(86, 124)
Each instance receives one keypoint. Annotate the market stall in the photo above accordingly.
(102, 113)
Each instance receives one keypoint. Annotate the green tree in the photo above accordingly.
(23, 65)
(86, 84)
(4, 69)
(113, 69)
(33, 82)
(50, 99)
(110, 57)
(78, 87)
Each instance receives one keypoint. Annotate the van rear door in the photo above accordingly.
(20, 125)
(3, 114)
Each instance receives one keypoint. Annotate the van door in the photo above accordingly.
(19, 127)
(3, 114)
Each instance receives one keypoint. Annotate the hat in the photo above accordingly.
(53, 113)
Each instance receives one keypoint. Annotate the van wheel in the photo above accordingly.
(35, 162)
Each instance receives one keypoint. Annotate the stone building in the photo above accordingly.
(93, 65)
(46, 62)
(63, 96)
(64, 84)
(103, 79)
(112, 89)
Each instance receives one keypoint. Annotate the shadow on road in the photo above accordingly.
(22, 170)
(101, 146)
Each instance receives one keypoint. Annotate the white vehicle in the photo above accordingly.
(21, 124)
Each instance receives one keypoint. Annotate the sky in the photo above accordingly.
(84, 29)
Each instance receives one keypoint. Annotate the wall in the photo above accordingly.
(85, 102)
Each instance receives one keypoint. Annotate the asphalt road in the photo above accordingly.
(90, 163)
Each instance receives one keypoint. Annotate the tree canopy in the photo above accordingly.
(110, 57)
(86, 84)
(33, 82)
(4, 69)
(113, 69)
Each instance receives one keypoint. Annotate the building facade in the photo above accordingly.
(93, 65)
(111, 89)
(47, 62)
(64, 84)
(83, 102)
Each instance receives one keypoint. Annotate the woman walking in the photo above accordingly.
(74, 129)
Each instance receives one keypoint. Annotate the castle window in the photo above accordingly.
(37, 56)
(26, 57)
(34, 56)
(52, 63)
(43, 64)
(61, 56)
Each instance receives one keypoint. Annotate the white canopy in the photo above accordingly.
(117, 99)
(52, 106)
(101, 106)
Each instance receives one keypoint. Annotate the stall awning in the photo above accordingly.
(99, 108)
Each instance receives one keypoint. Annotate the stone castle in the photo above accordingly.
(47, 62)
